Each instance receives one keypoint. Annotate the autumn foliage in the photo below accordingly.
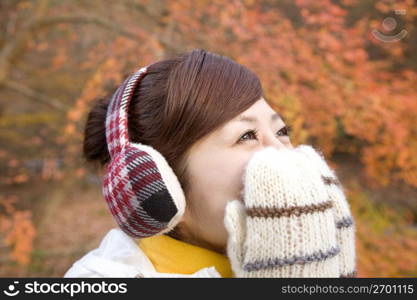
(17, 231)
(339, 86)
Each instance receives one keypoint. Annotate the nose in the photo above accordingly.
(272, 140)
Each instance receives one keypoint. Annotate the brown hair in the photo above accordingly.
(179, 101)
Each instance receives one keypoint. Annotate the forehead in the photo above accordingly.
(259, 112)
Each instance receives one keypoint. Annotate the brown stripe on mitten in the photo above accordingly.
(288, 220)
(345, 226)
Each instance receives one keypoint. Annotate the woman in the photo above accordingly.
(207, 116)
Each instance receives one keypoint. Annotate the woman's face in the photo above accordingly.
(215, 168)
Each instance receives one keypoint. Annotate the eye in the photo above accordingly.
(284, 131)
(253, 133)
(248, 135)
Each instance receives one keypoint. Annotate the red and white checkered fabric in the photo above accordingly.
(140, 188)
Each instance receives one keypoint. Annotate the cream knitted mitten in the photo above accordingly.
(345, 226)
(285, 226)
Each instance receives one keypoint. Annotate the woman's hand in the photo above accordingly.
(293, 219)
(345, 227)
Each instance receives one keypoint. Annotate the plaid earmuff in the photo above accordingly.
(142, 191)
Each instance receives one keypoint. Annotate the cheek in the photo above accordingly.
(217, 178)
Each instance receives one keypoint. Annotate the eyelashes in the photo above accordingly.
(284, 131)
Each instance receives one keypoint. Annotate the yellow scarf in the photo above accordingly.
(169, 255)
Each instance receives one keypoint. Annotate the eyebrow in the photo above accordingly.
(274, 117)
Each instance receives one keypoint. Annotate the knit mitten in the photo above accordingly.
(284, 224)
(345, 226)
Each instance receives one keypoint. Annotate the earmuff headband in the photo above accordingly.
(117, 136)
(141, 190)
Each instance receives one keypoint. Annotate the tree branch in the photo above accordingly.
(12, 49)
(35, 95)
(149, 25)
(84, 19)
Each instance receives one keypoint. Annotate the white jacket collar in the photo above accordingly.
(119, 256)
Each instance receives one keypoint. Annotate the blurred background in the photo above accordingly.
(343, 74)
